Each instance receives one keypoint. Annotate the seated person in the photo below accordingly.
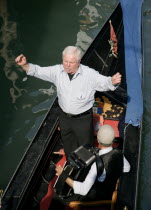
(93, 188)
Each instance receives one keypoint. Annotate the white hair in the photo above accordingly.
(72, 50)
(106, 135)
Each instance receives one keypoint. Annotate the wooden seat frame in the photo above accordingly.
(76, 205)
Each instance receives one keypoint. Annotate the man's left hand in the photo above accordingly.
(116, 78)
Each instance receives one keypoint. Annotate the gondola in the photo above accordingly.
(29, 184)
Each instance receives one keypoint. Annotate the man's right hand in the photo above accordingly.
(22, 61)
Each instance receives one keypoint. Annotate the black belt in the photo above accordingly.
(78, 115)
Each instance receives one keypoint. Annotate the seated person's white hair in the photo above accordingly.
(105, 135)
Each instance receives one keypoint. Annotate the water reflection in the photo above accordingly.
(9, 35)
(91, 17)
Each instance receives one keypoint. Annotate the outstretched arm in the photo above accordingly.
(22, 61)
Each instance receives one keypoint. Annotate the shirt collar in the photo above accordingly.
(104, 151)
(78, 72)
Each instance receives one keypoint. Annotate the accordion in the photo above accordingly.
(76, 168)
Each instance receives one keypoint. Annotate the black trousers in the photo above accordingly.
(76, 131)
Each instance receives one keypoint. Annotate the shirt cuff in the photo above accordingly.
(75, 187)
(31, 70)
(111, 86)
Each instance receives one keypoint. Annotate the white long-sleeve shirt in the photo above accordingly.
(82, 188)
(77, 95)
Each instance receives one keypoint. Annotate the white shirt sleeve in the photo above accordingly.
(102, 83)
(82, 188)
(44, 73)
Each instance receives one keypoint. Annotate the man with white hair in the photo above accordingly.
(93, 188)
(76, 85)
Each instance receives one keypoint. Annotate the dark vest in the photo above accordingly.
(113, 163)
